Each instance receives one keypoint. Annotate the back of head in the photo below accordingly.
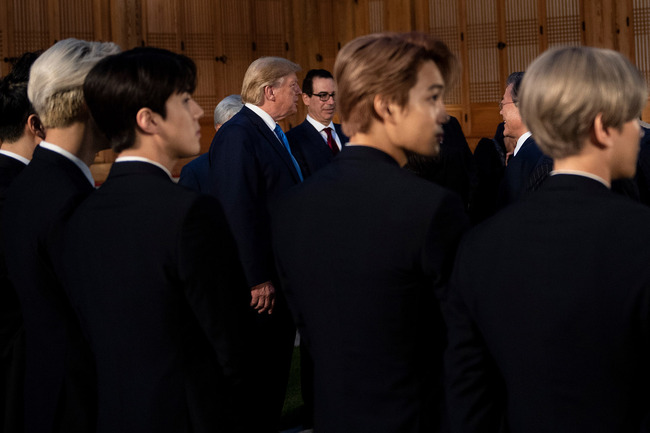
(57, 76)
(265, 71)
(308, 82)
(565, 89)
(15, 107)
(120, 85)
(226, 108)
(384, 64)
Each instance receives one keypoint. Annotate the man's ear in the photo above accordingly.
(147, 120)
(305, 99)
(601, 134)
(269, 93)
(385, 108)
(35, 126)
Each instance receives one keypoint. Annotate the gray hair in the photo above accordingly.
(566, 88)
(228, 107)
(56, 79)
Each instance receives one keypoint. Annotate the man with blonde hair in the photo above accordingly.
(555, 338)
(364, 247)
(251, 165)
(59, 379)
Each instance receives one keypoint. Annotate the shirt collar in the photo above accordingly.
(15, 156)
(319, 126)
(147, 160)
(266, 117)
(521, 140)
(79, 163)
(582, 173)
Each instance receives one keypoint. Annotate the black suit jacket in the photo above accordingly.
(524, 174)
(12, 333)
(309, 148)
(249, 170)
(151, 272)
(364, 248)
(59, 378)
(549, 319)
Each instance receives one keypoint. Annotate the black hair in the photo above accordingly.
(122, 84)
(515, 79)
(308, 82)
(15, 107)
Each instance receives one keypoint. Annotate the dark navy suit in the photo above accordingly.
(195, 174)
(309, 147)
(525, 173)
(249, 170)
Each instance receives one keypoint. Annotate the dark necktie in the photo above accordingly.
(283, 139)
(330, 141)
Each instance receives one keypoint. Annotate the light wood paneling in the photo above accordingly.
(522, 33)
(563, 23)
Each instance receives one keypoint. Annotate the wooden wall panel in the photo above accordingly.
(31, 26)
(444, 24)
(376, 16)
(269, 28)
(564, 26)
(641, 26)
(236, 40)
(522, 33)
(483, 54)
(77, 20)
(161, 24)
(200, 43)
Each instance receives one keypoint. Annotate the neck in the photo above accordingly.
(145, 148)
(589, 162)
(78, 139)
(23, 147)
(377, 138)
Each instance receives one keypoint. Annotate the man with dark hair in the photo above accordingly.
(364, 247)
(59, 372)
(164, 324)
(317, 140)
(528, 167)
(19, 134)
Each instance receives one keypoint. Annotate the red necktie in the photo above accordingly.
(330, 141)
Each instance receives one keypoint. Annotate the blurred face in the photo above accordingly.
(321, 111)
(513, 126)
(625, 150)
(286, 97)
(419, 123)
(180, 130)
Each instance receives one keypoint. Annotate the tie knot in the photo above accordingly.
(278, 129)
(328, 131)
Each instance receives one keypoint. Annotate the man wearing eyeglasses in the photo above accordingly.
(317, 140)
(528, 167)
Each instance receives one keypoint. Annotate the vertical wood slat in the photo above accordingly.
(444, 25)
(31, 26)
(483, 54)
(522, 33)
(269, 28)
(161, 24)
(76, 19)
(236, 39)
(376, 15)
(199, 44)
(563, 22)
(641, 14)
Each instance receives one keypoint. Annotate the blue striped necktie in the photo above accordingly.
(283, 139)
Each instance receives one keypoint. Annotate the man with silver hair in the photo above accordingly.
(251, 165)
(60, 392)
(555, 338)
(194, 174)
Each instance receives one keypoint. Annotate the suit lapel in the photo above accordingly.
(272, 139)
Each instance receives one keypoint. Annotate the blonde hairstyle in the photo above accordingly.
(56, 79)
(564, 90)
(384, 64)
(265, 71)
